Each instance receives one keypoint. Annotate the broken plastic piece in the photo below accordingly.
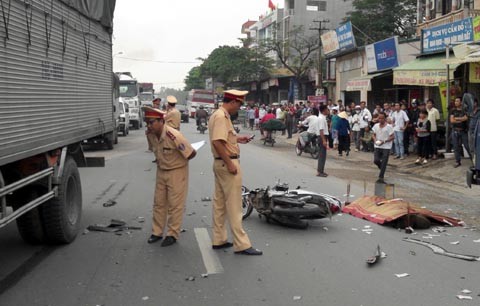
(402, 275)
(455, 242)
(297, 298)
(441, 251)
(109, 203)
(206, 199)
(190, 278)
(466, 291)
(376, 257)
(464, 297)
(205, 275)
(145, 298)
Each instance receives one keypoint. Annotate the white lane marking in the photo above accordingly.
(210, 259)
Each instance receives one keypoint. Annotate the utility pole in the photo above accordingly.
(321, 27)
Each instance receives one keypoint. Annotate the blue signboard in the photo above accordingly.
(345, 37)
(437, 38)
(382, 55)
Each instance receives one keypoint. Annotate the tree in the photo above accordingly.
(380, 19)
(297, 52)
(235, 65)
(194, 79)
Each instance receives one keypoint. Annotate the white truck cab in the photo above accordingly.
(129, 94)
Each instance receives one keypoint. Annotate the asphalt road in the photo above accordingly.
(323, 265)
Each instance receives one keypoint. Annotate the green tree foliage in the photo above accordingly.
(194, 79)
(235, 65)
(380, 19)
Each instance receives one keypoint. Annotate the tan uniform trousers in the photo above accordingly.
(169, 202)
(227, 202)
(151, 142)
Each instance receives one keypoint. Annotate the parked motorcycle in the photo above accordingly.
(308, 145)
(202, 125)
(289, 208)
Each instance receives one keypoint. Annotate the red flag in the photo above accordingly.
(271, 5)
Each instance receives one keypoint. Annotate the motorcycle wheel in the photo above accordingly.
(247, 205)
(298, 149)
(315, 152)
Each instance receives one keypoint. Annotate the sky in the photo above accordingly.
(159, 41)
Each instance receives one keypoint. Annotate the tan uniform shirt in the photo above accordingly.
(220, 127)
(173, 118)
(172, 150)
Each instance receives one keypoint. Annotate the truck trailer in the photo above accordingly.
(56, 90)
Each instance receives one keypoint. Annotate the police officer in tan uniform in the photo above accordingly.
(173, 117)
(227, 200)
(173, 152)
(148, 132)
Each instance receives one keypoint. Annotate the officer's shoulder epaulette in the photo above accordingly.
(170, 135)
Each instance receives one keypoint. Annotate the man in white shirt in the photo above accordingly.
(322, 140)
(312, 122)
(383, 136)
(433, 117)
(400, 121)
(365, 117)
(278, 113)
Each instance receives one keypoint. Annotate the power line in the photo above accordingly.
(157, 61)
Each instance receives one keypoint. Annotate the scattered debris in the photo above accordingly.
(140, 219)
(145, 298)
(205, 275)
(190, 278)
(354, 229)
(297, 298)
(413, 253)
(464, 297)
(191, 214)
(183, 230)
(455, 242)
(325, 228)
(409, 230)
(402, 275)
(476, 241)
(85, 231)
(206, 199)
(113, 227)
(109, 203)
(440, 251)
(376, 257)
(466, 291)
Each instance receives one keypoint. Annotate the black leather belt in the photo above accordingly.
(231, 157)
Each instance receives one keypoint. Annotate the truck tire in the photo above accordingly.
(30, 225)
(61, 215)
(109, 139)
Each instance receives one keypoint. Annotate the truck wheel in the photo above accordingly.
(109, 139)
(61, 215)
(30, 224)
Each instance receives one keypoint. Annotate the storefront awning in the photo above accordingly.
(362, 83)
(423, 71)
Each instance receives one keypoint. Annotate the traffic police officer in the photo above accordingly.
(173, 152)
(227, 200)
(173, 117)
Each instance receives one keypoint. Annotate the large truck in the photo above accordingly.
(130, 95)
(146, 94)
(197, 97)
(56, 90)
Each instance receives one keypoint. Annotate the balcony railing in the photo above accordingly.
(446, 19)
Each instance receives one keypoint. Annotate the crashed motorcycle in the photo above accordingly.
(202, 125)
(308, 144)
(291, 208)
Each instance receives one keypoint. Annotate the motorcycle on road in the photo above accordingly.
(291, 208)
(202, 125)
(307, 144)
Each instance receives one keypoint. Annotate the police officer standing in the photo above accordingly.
(173, 117)
(173, 152)
(227, 200)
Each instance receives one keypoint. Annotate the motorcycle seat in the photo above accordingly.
(287, 201)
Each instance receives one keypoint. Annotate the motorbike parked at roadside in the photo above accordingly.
(307, 143)
(289, 208)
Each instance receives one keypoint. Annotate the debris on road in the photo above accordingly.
(455, 242)
(113, 227)
(439, 229)
(140, 219)
(109, 203)
(297, 298)
(476, 241)
(441, 251)
(145, 298)
(413, 253)
(464, 297)
(466, 291)
(183, 230)
(376, 257)
(206, 199)
(190, 278)
(205, 275)
(85, 231)
(402, 275)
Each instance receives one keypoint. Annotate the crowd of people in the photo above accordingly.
(415, 128)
